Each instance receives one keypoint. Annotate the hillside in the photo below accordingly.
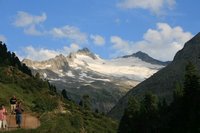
(164, 81)
(40, 99)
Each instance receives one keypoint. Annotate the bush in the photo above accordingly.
(76, 121)
(46, 103)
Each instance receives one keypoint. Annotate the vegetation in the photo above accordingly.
(10, 59)
(153, 116)
(55, 111)
(85, 103)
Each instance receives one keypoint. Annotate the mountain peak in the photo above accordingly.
(140, 53)
(60, 56)
(145, 57)
(86, 51)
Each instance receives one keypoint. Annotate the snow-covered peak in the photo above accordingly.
(86, 52)
(60, 56)
(81, 57)
(131, 67)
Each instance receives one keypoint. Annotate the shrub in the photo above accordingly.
(45, 103)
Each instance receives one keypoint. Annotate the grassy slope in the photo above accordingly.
(28, 89)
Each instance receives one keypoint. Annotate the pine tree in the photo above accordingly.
(64, 94)
(140, 117)
(85, 102)
(37, 75)
(130, 121)
(185, 111)
(149, 113)
(192, 99)
(8, 59)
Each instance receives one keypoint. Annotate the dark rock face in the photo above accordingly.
(87, 52)
(145, 57)
(163, 82)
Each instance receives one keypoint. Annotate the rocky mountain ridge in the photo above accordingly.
(145, 57)
(85, 73)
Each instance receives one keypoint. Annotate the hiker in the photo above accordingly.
(13, 101)
(18, 112)
(3, 113)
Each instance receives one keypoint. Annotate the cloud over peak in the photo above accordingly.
(161, 43)
(70, 32)
(97, 40)
(40, 54)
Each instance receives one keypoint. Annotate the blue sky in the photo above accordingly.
(41, 29)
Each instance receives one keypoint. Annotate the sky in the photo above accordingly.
(42, 29)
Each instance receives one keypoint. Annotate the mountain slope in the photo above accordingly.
(84, 73)
(40, 98)
(163, 82)
(36, 96)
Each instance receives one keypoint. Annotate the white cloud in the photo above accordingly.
(98, 40)
(119, 43)
(29, 22)
(70, 32)
(3, 38)
(40, 54)
(24, 19)
(155, 6)
(33, 31)
(72, 48)
(32, 23)
(161, 43)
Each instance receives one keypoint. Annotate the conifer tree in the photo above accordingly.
(149, 113)
(64, 94)
(85, 102)
(191, 99)
(130, 121)
(185, 112)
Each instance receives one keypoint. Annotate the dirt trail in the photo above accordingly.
(28, 122)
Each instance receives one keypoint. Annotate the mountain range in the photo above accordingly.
(105, 81)
(164, 81)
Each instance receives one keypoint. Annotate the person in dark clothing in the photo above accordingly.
(19, 110)
(13, 101)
